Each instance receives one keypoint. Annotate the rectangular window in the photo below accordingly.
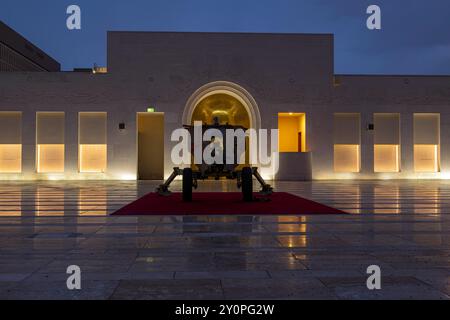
(347, 141)
(10, 142)
(50, 142)
(386, 142)
(291, 132)
(92, 147)
(426, 142)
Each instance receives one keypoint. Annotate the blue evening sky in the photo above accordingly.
(415, 35)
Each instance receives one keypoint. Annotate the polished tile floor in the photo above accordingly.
(401, 226)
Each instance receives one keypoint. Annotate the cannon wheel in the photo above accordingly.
(247, 184)
(187, 184)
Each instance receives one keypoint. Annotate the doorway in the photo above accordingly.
(150, 141)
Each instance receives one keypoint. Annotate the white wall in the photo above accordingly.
(377, 94)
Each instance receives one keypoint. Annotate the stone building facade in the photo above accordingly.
(117, 125)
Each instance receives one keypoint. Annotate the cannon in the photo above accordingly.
(243, 174)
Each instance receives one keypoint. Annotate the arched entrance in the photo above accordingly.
(228, 101)
(226, 108)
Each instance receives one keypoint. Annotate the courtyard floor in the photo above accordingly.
(401, 226)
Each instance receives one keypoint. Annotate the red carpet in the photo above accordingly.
(223, 203)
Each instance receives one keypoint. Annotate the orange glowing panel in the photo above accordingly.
(10, 158)
(426, 158)
(386, 158)
(50, 158)
(291, 132)
(346, 158)
(92, 157)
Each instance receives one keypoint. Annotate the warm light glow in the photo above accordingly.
(346, 158)
(386, 158)
(12, 207)
(99, 70)
(290, 225)
(130, 176)
(50, 158)
(49, 202)
(10, 158)
(292, 127)
(89, 204)
(387, 200)
(426, 158)
(92, 157)
(225, 107)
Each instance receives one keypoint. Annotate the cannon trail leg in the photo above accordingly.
(266, 189)
(163, 189)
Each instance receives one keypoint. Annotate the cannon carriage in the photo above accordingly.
(243, 174)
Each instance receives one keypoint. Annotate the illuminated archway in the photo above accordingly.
(226, 108)
(227, 100)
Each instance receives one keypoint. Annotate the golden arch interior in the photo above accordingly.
(227, 108)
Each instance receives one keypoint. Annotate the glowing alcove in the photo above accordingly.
(426, 142)
(426, 158)
(92, 147)
(346, 158)
(50, 158)
(347, 140)
(92, 157)
(386, 158)
(386, 142)
(291, 132)
(50, 142)
(10, 158)
(10, 142)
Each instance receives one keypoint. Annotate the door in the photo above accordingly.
(150, 141)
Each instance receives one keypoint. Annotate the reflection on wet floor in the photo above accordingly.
(292, 232)
(92, 203)
(100, 198)
(64, 198)
(386, 200)
(402, 226)
(430, 200)
(49, 201)
(11, 201)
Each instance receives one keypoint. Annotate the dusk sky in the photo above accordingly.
(415, 35)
